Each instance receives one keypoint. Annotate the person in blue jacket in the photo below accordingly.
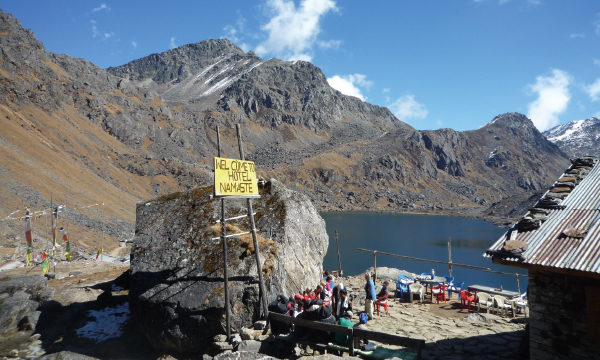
(370, 290)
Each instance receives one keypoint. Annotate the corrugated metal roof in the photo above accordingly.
(549, 246)
(586, 195)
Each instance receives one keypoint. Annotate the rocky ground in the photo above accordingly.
(450, 332)
(89, 316)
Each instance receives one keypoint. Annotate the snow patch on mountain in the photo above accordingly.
(577, 137)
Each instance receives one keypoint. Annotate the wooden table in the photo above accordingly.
(493, 291)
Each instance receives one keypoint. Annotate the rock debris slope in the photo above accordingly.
(177, 288)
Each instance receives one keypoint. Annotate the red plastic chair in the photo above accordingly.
(439, 292)
(468, 297)
(382, 301)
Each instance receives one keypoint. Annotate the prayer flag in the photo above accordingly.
(99, 252)
(68, 244)
(45, 265)
(54, 225)
(28, 239)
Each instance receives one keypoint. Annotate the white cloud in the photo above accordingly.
(330, 44)
(406, 107)
(594, 90)
(347, 85)
(553, 98)
(292, 31)
(597, 24)
(597, 62)
(134, 44)
(386, 90)
(95, 31)
(579, 35)
(232, 32)
(500, 2)
(172, 44)
(534, 2)
(101, 7)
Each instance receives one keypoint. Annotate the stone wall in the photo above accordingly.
(560, 316)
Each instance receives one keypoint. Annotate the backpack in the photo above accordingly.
(363, 317)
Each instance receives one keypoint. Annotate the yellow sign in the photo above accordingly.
(235, 178)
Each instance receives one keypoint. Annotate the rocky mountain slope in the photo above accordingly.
(85, 135)
(577, 138)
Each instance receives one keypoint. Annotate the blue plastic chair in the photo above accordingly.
(426, 275)
(455, 288)
(402, 285)
(449, 279)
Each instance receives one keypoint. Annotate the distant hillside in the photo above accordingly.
(577, 138)
(147, 128)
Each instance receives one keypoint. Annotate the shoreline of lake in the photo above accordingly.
(475, 214)
(423, 236)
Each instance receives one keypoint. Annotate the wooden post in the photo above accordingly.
(518, 286)
(450, 256)
(338, 249)
(224, 241)
(351, 338)
(52, 232)
(374, 266)
(102, 241)
(262, 291)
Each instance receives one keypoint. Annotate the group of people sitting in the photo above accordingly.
(327, 303)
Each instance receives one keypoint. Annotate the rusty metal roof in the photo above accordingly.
(549, 246)
(586, 195)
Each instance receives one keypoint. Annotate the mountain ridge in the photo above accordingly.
(577, 138)
(128, 139)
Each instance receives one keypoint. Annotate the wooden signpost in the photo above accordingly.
(237, 179)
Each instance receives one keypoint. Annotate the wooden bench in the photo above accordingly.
(385, 338)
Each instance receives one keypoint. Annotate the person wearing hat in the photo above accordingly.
(345, 320)
(382, 297)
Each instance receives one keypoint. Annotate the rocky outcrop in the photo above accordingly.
(20, 298)
(177, 288)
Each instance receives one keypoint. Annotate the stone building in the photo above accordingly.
(558, 242)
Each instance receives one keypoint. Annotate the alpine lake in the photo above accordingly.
(419, 236)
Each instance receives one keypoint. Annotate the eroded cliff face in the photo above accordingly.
(177, 285)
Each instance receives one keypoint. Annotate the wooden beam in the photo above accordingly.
(311, 324)
(563, 271)
(353, 332)
(388, 338)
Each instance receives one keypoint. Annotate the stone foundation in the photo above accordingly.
(561, 318)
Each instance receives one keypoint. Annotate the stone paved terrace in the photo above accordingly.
(443, 326)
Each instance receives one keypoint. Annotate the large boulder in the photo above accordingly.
(177, 281)
(20, 297)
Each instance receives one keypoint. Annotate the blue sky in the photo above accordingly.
(434, 64)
